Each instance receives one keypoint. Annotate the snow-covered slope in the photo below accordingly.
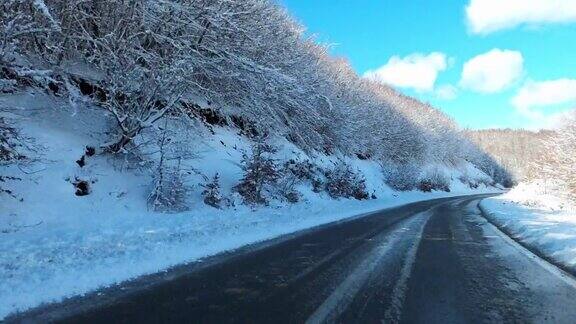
(54, 244)
(535, 216)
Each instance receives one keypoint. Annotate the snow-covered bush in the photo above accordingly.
(403, 177)
(434, 179)
(211, 193)
(10, 143)
(343, 182)
(26, 26)
(301, 170)
(286, 188)
(465, 178)
(317, 185)
(7, 85)
(470, 181)
(260, 171)
(295, 172)
(487, 182)
(170, 191)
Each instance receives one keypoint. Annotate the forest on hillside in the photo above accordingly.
(244, 63)
(514, 149)
(545, 155)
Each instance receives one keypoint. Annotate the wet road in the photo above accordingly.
(430, 262)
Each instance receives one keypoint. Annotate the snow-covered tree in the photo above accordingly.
(559, 162)
(211, 192)
(249, 58)
(260, 171)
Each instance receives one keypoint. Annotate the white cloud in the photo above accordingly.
(446, 92)
(537, 120)
(416, 71)
(534, 100)
(493, 71)
(543, 94)
(486, 16)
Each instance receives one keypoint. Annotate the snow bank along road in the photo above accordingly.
(436, 261)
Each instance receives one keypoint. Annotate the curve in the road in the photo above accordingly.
(429, 262)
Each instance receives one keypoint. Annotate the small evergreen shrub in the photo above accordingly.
(211, 192)
(10, 143)
(170, 192)
(317, 185)
(260, 171)
(292, 196)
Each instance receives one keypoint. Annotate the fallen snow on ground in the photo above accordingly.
(534, 215)
(54, 244)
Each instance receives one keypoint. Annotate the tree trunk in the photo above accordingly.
(120, 144)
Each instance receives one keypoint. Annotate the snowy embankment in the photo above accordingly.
(54, 244)
(537, 218)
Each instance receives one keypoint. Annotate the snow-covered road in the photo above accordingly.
(436, 262)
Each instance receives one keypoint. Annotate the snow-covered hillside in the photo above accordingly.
(54, 244)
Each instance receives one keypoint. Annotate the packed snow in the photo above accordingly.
(535, 215)
(54, 244)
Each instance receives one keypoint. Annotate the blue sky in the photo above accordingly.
(509, 87)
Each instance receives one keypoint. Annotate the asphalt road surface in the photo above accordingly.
(438, 261)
